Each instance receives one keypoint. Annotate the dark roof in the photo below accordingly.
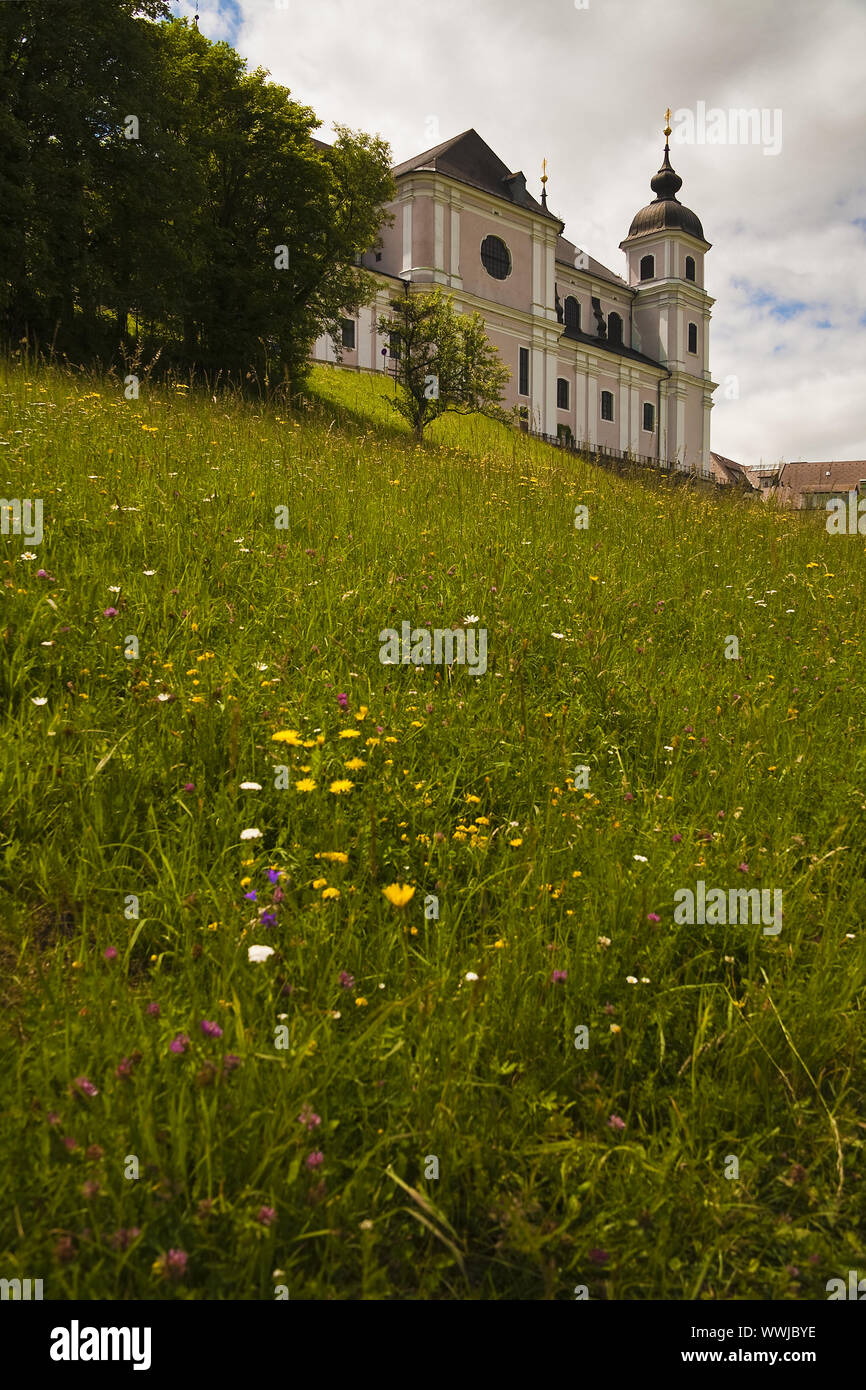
(469, 159)
(575, 335)
(565, 251)
(666, 212)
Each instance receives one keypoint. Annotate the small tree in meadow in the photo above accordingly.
(445, 361)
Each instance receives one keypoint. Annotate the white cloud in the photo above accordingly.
(588, 90)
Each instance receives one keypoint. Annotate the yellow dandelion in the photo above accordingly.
(288, 736)
(331, 893)
(360, 1002)
(306, 784)
(515, 844)
(355, 764)
(320, 882)
(361, 714)
(372, 743)
(398, 894)
(245, 881)
(482, 820)
(473, 800)
(341, 785)
(350, 733)
(335, 856)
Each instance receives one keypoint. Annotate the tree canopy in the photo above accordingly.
(144, 171)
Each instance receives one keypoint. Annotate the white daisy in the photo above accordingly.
(163, 696)
(631, 979)
(28, 555)
(251, 834)
(114, 588)
(558, 635)
(256, 954)
(39, 699)
(471, 618)
(641, 858)
(148, 572)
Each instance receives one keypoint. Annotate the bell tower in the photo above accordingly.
(665, 250)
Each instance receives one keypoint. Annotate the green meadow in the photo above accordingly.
(523, 1079)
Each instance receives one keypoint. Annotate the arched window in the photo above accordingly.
(693, 337)
(607, 405)
(690, 267)
(614, 328)
(495, 257)
(647, 267)
(572, 313)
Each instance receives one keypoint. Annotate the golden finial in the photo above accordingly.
(668, 123)
(544, 171)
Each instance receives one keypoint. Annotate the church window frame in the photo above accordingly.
(572, 314)
(691, 272)
(648, 267)
(563, 393)
(692, 339)
(607, 406)
(496, 257)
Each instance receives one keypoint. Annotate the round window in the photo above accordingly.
(495, 257)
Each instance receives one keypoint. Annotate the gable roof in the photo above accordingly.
(822, 477)
(727, 470)
(468, 159)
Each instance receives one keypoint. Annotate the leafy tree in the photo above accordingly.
(445, 363)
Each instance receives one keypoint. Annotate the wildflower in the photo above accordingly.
(341, 785)
(361, 715)
(230, 1061)
(251, 896)
(641, 858)
(266, 1216)
(330, 893)
(675, 839)
(315, 1159)
(603, 941)
(744, 869)
(90, 1188)
(653, 917)
(39, 699)
(559, 977)
(123, 1238)
(306, 784)
(86, 1087)
(251, 834)
(153, 1010)
(343, 700)
(471, 618)
(251, 786)
(211, 1030)
(470, 975)
(171, 1265)
(616, 1123)
(346, 980)
(399, 894)
(350, 733)
(189, 786)
(631, 979)
(273, 875)
(267, 919)
(289, 736)
(257, 954)
(163, 696)
(109, 613)
(615, 1028)
(179, 1043)
(308, 1117)
(355, 764)
(110, 953)
(123, 1070)
(360, 1002)
(335, 856)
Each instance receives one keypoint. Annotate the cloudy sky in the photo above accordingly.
(586, 83)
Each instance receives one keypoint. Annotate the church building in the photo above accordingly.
(611, 364)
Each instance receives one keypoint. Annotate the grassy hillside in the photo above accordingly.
(286, 1144)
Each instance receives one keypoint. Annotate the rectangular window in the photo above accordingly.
(394, 346)
(348, 334)
(561, 393)
(607, 405)
(523, 372)
(649, 416)
(693, 337)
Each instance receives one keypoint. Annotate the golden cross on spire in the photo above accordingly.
(544, 171)
(668, 122)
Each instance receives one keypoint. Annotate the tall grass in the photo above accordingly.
(558, 1166)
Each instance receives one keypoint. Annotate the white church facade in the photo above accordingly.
(610, 364)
